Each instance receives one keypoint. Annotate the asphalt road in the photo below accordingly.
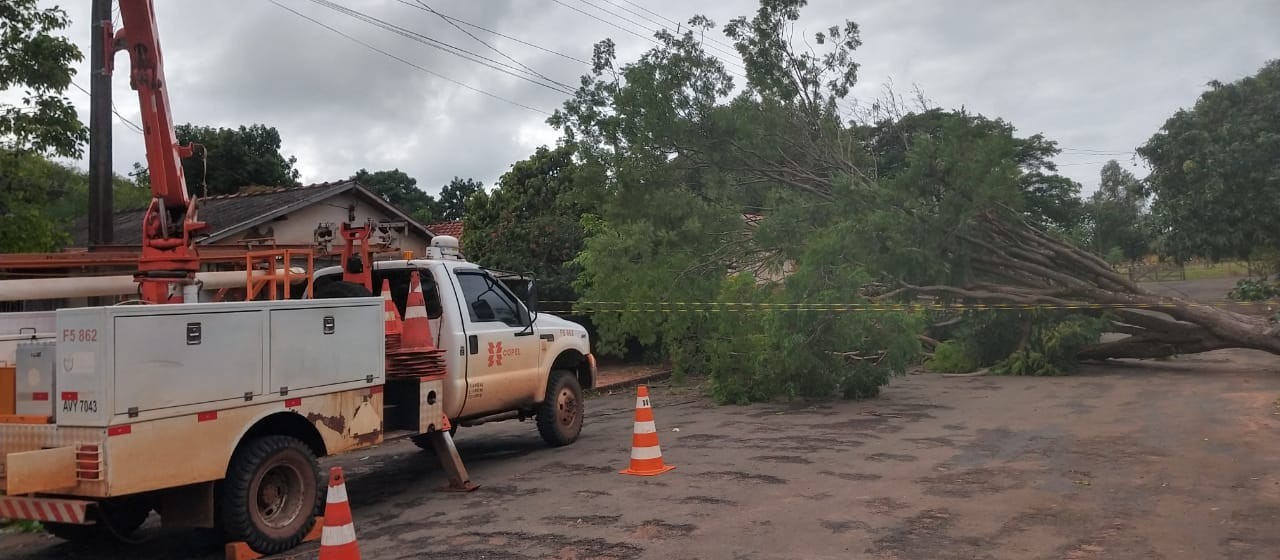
(1169, 460)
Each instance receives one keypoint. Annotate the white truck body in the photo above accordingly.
(155, 400)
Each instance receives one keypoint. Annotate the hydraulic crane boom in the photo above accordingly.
(169, 259)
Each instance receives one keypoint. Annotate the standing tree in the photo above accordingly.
(1117, 216)
(1215, 176)
(35, 69)
(453, 198)
(233, 158)
(401, 190)
(37, 61)
(532, 221)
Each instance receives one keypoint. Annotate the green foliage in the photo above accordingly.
(952, 356)
(42, 200)
(1051, 346)
(1253, 289)
(36, 59)
(1016, 342)
(1118, 218)
(24, 526)
(1214, 171)
(769, 196)
(235, 158)
(532, 221)
(452, 204)
(1048, 199)
(401, 190)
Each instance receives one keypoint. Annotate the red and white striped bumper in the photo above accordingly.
(44, 509)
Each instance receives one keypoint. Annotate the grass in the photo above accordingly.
(1226, 269)
(1208, 270)
(22, 526)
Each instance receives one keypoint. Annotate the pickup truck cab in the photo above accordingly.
(505, 360)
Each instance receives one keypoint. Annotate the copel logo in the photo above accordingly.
(496, 352)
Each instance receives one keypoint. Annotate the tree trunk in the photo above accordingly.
(1015, 263)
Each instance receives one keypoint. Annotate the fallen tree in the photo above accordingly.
(824, 201)
(1023, 265)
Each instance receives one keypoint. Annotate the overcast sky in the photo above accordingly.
(1098, 76)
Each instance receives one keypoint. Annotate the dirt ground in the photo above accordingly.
(1173, 459)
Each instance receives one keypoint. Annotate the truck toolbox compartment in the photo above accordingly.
(313, 347)
(34, 386)
(163, 361)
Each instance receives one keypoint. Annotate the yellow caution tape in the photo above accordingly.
(670, 306)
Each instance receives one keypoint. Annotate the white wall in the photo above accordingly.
(298, 227)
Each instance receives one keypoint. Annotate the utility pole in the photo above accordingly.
(100, 172)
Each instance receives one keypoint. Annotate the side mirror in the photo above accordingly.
(533, 296)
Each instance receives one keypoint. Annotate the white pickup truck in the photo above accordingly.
(505, 360)
(214, 414)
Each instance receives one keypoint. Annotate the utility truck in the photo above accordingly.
(214, 414)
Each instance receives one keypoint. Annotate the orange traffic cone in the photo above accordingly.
(391, 318)
(390, 313)
(646, 457)
(338, 540)
(417, 328)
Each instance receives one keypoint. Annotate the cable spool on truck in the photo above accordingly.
(215, 414)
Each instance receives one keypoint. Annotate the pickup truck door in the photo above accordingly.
(503, 353)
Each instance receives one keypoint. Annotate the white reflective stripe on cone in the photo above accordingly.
(337, 494)
(338, 536)
(645, 428)
(646, 452)
(415, 312)
(642, 402)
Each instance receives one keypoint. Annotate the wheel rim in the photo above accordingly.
(567, 407)
(278, 497)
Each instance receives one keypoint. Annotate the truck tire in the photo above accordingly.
(116, 520)
(271, 495)
(560, 414)
(339, 289)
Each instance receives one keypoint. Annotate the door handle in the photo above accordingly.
(473, 344)
(548, 337)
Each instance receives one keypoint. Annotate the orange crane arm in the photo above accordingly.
(169, 258)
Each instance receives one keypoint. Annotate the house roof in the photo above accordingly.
(230, 214)
(453, 228)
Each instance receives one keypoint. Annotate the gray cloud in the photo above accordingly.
(1094, 75)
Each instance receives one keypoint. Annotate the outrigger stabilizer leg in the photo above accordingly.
(442, 443)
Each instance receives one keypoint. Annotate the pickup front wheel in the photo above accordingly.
(560, 414)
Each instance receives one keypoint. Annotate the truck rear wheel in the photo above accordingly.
(271, 495)
(115, 521)
(560, 414)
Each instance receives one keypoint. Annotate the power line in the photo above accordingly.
(673, 22)
(664, 28)
(1096, 152)
(437, 44)
(499, 34)
(137, 128)
(406, 62)
(482, 42)
(644, 17)
(606, 22)
(612, 24)
(1085, 163)
(655, 14)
